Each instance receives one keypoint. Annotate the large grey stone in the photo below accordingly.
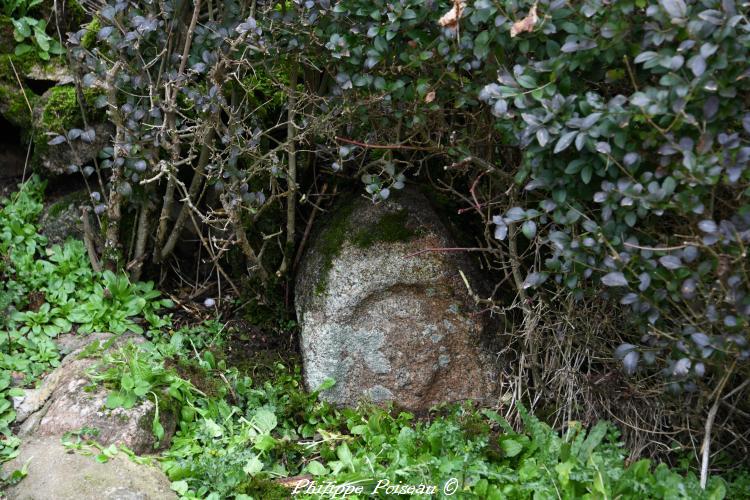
(384, 323)
(56, 474)
(62, 403)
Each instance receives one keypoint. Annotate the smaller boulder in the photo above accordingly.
(62, 219)
(54, 473)
(65, 402)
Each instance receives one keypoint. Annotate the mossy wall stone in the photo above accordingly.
(386, 322)
(56, 112)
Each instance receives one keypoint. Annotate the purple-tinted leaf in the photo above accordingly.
(689, 253)
(708, 226)
(515, 214)
(681, 368)
(88, 136)
(697, 65)
(614, 279)
(710, 107)
(57, 140)
(565, 140)
(500, 108)
(574, 44)
(700, 339)
(677, 9)
(542, 136)
(501, 231)
(534, 279)
(630, 159)
(671, 262)
(629, 298)
(630, 362)
(105, 32)
(590, 120)
(645, 56)
(529, 229)
(623, 349)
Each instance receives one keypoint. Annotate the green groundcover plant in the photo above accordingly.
(238, 437)
(47, 291)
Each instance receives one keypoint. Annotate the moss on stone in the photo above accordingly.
(60, 113)
(13, 106)
(264, 488)
(75, 198)
(390, 228)
(331, 240)
(61, 110)
(7, 42)
(89, 38)
(75, 13)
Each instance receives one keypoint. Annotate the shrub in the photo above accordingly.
(602, 148)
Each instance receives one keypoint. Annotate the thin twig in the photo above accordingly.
(88, 240)
(706, 448)
(449, 249)
(383, 146)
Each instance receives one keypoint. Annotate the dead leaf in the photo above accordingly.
(293, 482)
(450, 18)
(525, 25)
(429, 97)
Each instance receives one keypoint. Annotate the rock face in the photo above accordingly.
(55, 474)
(61, 404)
(385, 324)
(62, 219)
